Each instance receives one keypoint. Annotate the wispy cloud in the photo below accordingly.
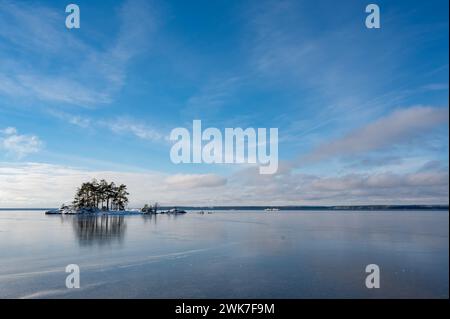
(121, 125)
(436, 87)
(17, 145)
(212, 96)
(325, 57)
(89, 76)
(78, 120)
(126, 125)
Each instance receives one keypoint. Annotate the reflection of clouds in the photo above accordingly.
(251, 234)
(257, 234)
(282, 233)
(98, 229)
(190, 228)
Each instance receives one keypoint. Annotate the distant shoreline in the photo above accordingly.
(291, 208)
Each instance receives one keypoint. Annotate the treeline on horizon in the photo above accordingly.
(341, 207)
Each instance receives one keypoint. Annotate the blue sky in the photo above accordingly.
(362, 114)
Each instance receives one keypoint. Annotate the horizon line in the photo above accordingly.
(392, 206)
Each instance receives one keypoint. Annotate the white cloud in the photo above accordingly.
(397, 128)
(19, 146)
(289, 188)
(195, 180)
(45, 185)
(9, 131)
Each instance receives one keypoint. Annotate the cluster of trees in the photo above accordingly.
(101, 195)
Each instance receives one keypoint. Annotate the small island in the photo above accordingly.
(101, 197)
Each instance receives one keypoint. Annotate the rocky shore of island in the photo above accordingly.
(66, 210)
(103, 198)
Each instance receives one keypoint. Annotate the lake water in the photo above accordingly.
(232, 254)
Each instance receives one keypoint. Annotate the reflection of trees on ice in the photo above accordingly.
(99, 229)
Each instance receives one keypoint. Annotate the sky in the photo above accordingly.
(362, 114)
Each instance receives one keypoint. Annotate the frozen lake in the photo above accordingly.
(227, 254)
